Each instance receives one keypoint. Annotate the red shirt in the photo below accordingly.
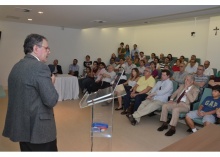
(175, 68)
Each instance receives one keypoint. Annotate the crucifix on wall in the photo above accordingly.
(216, 29)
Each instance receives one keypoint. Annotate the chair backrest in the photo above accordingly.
(148, 57)
(215, 72)
(175, 85)
(218, 74)
(206, 92)
(198, 60)
(186, 59)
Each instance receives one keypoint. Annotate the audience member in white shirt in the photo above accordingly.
(141, 68)
(129, 67)
(191, 67)
(208, 71)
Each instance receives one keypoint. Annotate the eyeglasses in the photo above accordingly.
(47, 48)
(146, 71)
(199, 69)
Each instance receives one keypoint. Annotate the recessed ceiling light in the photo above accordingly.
(29, 19)
(40, 12)
(98, 21)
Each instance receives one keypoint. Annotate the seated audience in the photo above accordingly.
(140, 91)
(104, 81)
(147, 64)
(55, 68)
(206, 111)
(158, 96)
(142, 56)
(200, 79)
(180, 76)
(166, 62)
(214, 82)
(128, 85)
(121, 51)
(86, 63)
(176, 66)
(120, 66)
(208, 71)
(101, 70)
(162, 58)
(154, 70)
(166, 67)
(182, 60)
(141, 68)
(116, 59)
(95, 68)
(99, 60)
(153, 55)
(129, 67)
(170, 58)
(156, 60)
(218, 112)
(193, 57)
(191, 67)
(74, 68)
(136, 59)
(179, 102)
(84, 83)
(112, 62)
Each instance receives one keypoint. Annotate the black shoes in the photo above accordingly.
(117, 109)
(124, 112)
(170, 132)
(163, 127)
(132, 120)
(189, 130)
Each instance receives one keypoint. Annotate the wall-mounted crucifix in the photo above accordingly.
(216, 29)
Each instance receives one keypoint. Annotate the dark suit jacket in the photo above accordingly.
(52, 68)
(31, 98)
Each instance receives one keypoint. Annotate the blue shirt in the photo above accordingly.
(74, 67)
(210, 104)
(163, 89)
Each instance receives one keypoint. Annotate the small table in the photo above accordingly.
(67, 87)
(205, 139)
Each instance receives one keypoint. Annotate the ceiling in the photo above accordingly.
(83, 16)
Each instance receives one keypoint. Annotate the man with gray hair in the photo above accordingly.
(208, 71)
(180, 76)
(139, 91)
(201, 81)
(31, 99)
(179, 102)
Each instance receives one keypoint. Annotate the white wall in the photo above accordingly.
(213, 49)
(68, 44)
(174, 38)
(65, 44)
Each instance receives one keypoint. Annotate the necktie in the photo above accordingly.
(180, 97)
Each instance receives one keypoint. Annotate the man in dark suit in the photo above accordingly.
(55, 68)
(31, 98)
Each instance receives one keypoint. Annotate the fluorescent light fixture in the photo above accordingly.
(40, 12)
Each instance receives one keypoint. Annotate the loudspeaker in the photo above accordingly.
(0, 34)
